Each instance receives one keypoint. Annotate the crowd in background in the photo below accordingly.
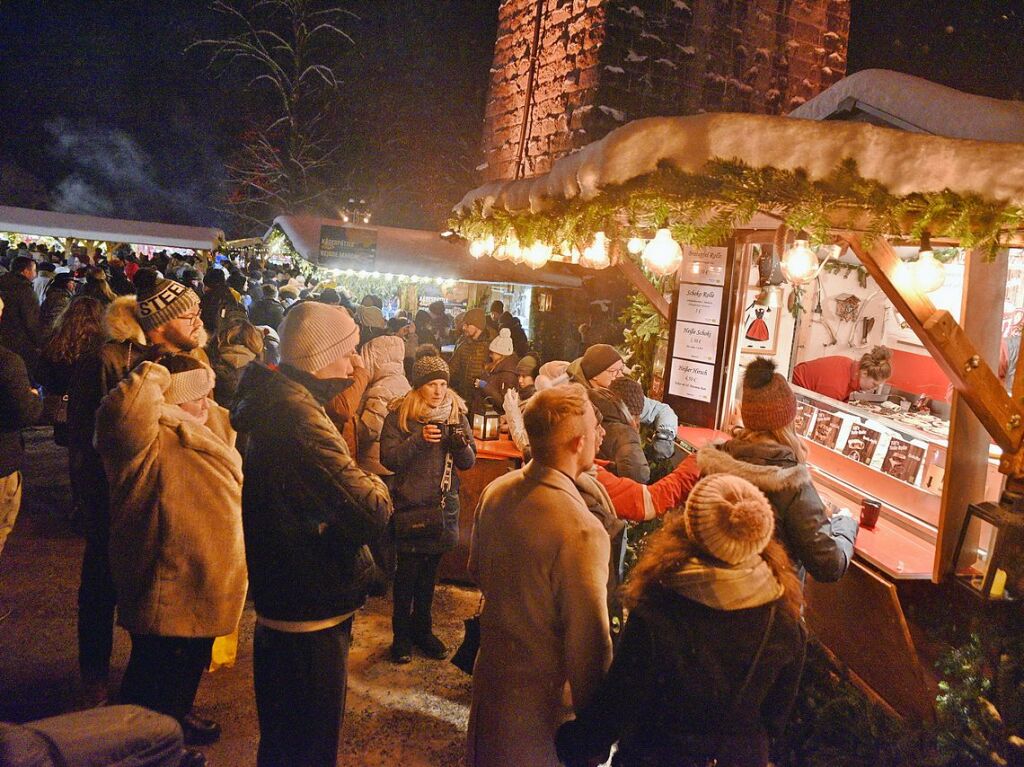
(171, 383)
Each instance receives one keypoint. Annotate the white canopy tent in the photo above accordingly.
(45, 223)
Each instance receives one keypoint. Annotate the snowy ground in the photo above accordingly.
(412, 715)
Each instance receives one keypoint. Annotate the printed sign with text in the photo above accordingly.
(693, 380)
(700, 303)
(696, 342)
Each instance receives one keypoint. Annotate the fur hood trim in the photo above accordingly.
(770, 479)
(121, 321)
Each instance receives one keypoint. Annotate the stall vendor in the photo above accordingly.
(838, 377)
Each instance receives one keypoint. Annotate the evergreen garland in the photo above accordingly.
(704, 209)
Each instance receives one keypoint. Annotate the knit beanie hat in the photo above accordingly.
(768, 403)
(631, 393)
(372, 317)
(313, 335)
(165, 301)
(598, 358)
(729, 518)
(475, 317)
(190, 385)
(429, 366)
(527, 366)
(502, 343)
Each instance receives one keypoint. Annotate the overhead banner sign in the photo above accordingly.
(343, 247)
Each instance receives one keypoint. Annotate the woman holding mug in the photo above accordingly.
(426, 437)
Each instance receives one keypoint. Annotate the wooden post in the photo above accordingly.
(639, 281)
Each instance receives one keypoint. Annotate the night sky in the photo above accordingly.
(102, 105)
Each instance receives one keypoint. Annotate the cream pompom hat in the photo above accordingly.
(729, 518)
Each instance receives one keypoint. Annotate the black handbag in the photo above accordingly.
(425, 521)
(465, 657)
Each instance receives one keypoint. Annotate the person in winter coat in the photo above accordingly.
(21, 330)
(426, 441)
(59, 292)
(541, 560)
(711, 657)
(235, 346)
(268, 310)
(469, 361)
(162, 319)
(97, 286)
(218, 299)
(621, 445)
(499, 376)
(526, 373)
(20, 406)
(309, 515)
(520, 343)
(176, 550)
(767, 452)
(384, 359)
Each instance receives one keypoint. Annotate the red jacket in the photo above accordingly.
(836, 377)
(636, 502)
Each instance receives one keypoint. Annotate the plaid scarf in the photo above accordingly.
(725, 587)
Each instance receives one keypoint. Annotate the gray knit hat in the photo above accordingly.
(429, 366)
(729, 518)
(167, 300)
(313, 335)
(190, 385)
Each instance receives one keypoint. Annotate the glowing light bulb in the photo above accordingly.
(481, 248)
(537, 255)
(663, 255)
(799, 263)
(636, 245)
(596, 255)
(928, 273)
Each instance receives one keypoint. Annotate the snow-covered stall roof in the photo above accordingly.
(422, 253)
(902, 162)
(61, 225)
(916, 104)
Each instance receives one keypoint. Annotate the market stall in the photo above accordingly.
(735, 190)
(70, 230)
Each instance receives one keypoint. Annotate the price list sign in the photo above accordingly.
(697, 324)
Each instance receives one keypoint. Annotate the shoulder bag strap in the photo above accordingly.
(446, 479)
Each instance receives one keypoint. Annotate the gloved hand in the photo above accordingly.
(481, 384)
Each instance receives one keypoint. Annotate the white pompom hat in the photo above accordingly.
(502, 344)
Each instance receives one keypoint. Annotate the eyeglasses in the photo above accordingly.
(189, 318)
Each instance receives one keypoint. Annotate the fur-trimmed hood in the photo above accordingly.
(121, 322)
(772, 468)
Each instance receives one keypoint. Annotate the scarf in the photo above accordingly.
(725, 587)
(446, 411)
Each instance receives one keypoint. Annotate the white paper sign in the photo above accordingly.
(705, 265)
(700, 303)
(696, 342)
(692, 380)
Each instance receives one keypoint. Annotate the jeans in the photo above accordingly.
(163, 673)
(415, 578)
(300, 681)
(119, 736)
(10, 502)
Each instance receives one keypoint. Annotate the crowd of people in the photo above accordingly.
(246, 431)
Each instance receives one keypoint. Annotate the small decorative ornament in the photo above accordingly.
(847, 306)
(800, 263)
(537, 255)
(663, 255)
(596, 255)
(487, 425)
(636, 245)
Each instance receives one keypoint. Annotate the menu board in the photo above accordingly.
(705, 265)
(903, 460)
(700, 303)
(861, 443)
(693, 380)
(804, 420)
(826, 429)
(695, 341)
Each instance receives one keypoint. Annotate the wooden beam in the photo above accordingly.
(639, 281)
(948, 344)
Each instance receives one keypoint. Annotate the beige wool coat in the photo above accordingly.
(541, 559)
(176, 549)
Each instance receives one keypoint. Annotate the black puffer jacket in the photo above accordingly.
(21, 330)
(621, 443)
(821, 546)
(267, 311)
(307, 507)
(418, 468)
(669, 692)
(19, 407)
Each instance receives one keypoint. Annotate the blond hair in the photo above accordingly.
(876, 363)
(412, 407)
(551, 418)
(785, 436)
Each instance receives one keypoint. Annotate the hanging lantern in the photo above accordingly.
(800, 263)
(928, 273)
(596, 255)
(537, 255)
(663, 255)
(481, 248)
(636, 245)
